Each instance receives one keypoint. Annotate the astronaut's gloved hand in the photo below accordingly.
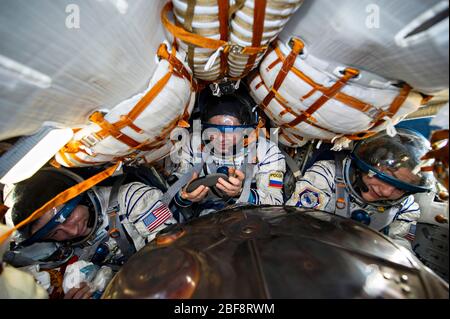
(233, 186)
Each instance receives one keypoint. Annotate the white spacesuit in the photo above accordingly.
(341, 189)
(141, 213)
(122, 219)
(266, 180)
(317, 189)
(225, 122)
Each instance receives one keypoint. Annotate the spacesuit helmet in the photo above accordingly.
(31, 194)
(226, 119)
(238, 104)
(393, 164)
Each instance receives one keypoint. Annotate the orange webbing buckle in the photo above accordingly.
(297, 45)
(114, 233)
(351, 72)
(340, 203)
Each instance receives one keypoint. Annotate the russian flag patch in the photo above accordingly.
(276, 180)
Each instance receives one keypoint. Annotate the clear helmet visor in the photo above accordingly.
(91, 199)
(225, 134)
(61, 213)
(395, 160)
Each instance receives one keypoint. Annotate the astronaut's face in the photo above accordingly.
(224, 141)
(379, 190)
(76, 225)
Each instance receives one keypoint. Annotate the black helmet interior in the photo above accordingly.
(238, 104)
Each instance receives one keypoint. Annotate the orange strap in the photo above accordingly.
(360, 135)
(224, 8)
(54, 163)
(395, 105)
(287, 138)
(73, 146)
(198, 40)
(149, 97)
(299, 137)
(272, 65)
(62, 153)
(114, 129)
(178, 66)
(109, 129)
(131, 125)
(186, 36)
(74, 158)
(254, 50)
(159, 141)
(287, 65)
(288, 109)
(62, 198)
(330, 93)
(341, 97)
(259, 13)
(399, 100)
(79, 160)
(255, 133)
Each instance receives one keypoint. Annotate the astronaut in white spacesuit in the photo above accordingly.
(255, 166)
(104, 225)
(374, 185)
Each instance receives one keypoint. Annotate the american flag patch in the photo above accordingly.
(411, 235)
(155, 218)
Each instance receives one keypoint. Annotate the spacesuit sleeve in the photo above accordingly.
(316, 187)
(269, 178)
(144, 215)
(402, 229)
